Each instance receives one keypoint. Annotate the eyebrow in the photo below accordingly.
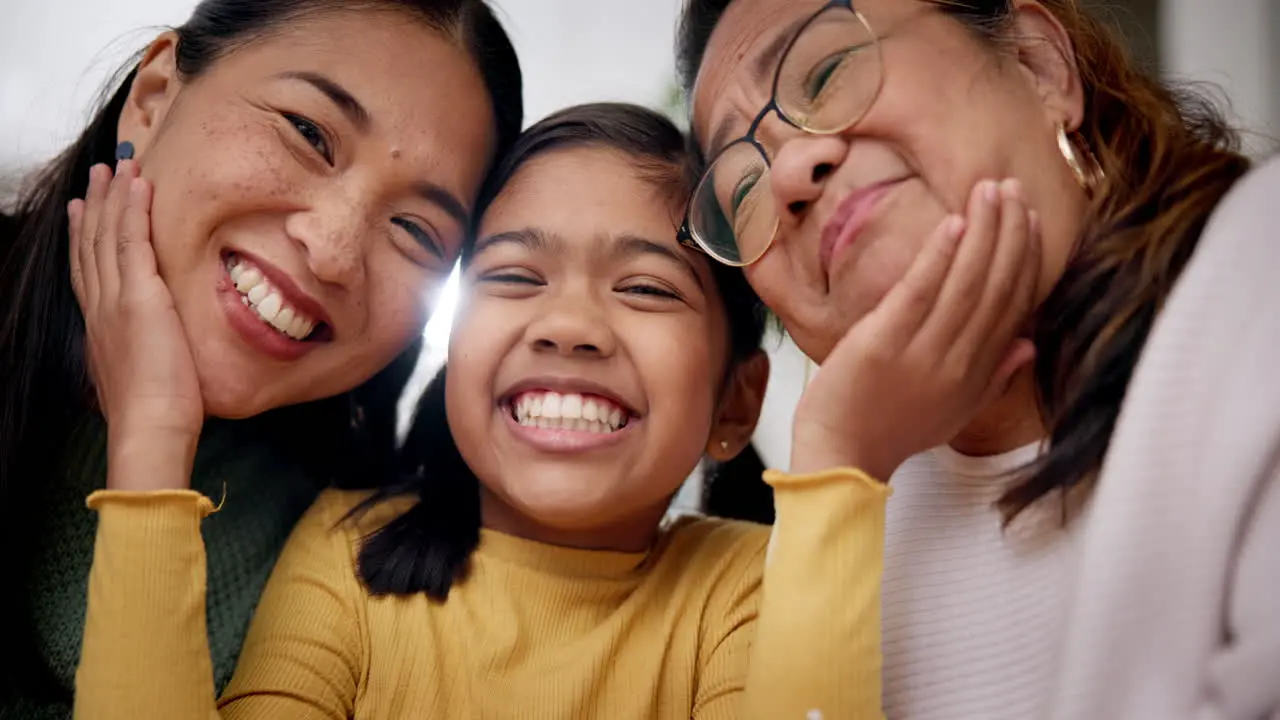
(531, 239)
(339, 95)
(623, 245)
(763, 67)
(445, 200)
(628, 245)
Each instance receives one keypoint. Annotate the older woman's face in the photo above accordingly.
(854, 208)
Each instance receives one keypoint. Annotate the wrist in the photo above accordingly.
(152, 458)
(811, 454)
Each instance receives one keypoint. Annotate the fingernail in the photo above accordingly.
(990, 190)
(137, 188)
(1033, 221)
(1011, 188)
(953, 226)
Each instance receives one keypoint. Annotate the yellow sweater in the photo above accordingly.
(535, 631)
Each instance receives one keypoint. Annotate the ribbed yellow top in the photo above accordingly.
(687, 630)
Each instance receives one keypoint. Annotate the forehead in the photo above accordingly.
(393, 63)
(583, 192)
(735, 66)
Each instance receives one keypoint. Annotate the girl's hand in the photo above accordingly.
(137, 351)
(939, 347)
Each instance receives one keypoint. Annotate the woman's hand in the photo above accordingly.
(939, 347)
(138, 354)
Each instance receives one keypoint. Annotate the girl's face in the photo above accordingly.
(587, 368)
(943, 111)
(309, 188)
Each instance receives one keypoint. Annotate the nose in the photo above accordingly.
(330, 236)
(572, 325)
(800, 171)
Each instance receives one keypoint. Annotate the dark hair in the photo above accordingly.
(427, 548)
(45, 387)
(1169, 157)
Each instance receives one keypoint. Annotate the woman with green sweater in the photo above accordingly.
(305, 200)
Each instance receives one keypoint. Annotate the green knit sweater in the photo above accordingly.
(266, 495)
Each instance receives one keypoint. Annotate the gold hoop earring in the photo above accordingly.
(1082, 162)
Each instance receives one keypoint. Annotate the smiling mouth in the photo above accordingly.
(567, 411)
(269, 303)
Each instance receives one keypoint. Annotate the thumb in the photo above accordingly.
(1021, 353)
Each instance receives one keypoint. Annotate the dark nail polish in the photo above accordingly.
(124, 151)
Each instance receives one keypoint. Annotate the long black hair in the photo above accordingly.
(44, 386)
(427, 548)
(1169, 157)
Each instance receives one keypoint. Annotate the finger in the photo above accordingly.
(962, 290)
(137, 257)
(107, 239)
(75, 215)
(912, 299)
(95, 197)
(997, 313)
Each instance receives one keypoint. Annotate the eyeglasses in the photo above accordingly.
(827, 78)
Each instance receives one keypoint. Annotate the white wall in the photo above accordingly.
(1234, 44)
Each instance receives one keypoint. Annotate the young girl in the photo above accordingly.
(594, 362)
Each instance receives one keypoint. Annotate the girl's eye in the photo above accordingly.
(422, 237)
(311, 133)
(510, 278)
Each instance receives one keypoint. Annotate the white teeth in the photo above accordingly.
(570, 411)
(257, 293)
(270, 306)
(571, 407)
(551, 405)
(248, 280)
(283, 319)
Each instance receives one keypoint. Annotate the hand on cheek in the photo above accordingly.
(943, 343)
(137, 351)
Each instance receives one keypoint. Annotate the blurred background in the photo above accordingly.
(55, 57)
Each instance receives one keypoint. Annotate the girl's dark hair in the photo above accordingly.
(1169, 157)
(45, 389)
(427, 548)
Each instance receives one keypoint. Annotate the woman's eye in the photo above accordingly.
(420, 236)
(821, 74)
(312, 134)
(648, 290)
(742, 192)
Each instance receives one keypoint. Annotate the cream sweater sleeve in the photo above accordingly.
(816, 654)
(146, 651)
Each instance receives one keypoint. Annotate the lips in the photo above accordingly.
(567, 415)
(851, 217)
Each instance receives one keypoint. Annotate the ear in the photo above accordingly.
(1047, 55)
(154, 88)
(739, 409)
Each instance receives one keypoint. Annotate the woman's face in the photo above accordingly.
(310, 187)
(855, 208)
(587, 362)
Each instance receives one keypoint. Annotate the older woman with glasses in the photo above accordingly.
(1053, 556)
